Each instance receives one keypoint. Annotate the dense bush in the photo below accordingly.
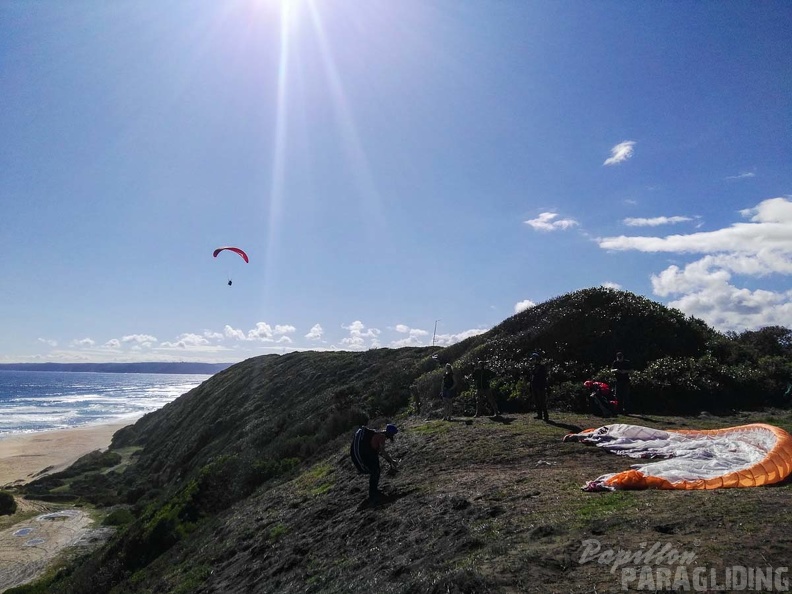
(8, 505)
(118, 517)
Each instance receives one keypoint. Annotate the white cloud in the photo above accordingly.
(523, 305)
(284, 329)
(49, 342)
(358, 333)
(745, 175)
(140, 339)
(113, 343)
(609, 285)
(415, 336)
(315, 333)
(620, 153)
(83, 342)
(770, 229)
(655, 221)
(211, 335)
(707, 287)
(449, 339)
(545, 222)
(285, 340)
(233, 333)
(262, 332)
(186, 341)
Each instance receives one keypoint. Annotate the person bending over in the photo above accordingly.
(367, 446)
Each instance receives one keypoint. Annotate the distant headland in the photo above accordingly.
(143, 367)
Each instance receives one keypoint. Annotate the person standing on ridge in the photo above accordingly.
(538, 384)
(448, 391)
(481, 380)
(622, 368)
(367, 446)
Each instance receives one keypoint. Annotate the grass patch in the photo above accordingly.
(277, 531)
(316, 481)
(192, 579)
(603, 505)
(431, 428)
(127, 455)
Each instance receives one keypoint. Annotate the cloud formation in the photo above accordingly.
(545, 222)
(358, 333)
(523, 305)
(315, 333)
(620, 153)
(449, 339)
(707, 287)
(414, 336)
(746, 175)
(186, 341)
(140, 339)
(655, 221)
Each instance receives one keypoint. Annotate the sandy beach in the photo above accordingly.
(24, 456)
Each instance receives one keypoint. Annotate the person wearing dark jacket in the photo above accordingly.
(448, 391)
(367, 446)
(622, 368)
(481, 381)
(538, 385)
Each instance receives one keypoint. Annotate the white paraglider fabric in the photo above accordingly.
(682, 456)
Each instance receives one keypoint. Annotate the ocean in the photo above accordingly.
(43, 400)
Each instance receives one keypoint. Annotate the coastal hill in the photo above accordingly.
(243, 484)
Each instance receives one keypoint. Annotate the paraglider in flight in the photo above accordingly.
(233, 249)
(236, 250)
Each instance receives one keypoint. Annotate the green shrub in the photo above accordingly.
(119, 517)
(8, 504)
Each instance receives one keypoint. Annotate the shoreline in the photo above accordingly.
(27, 456)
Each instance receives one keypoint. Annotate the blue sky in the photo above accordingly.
(388, 167)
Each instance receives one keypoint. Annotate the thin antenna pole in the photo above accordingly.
(434, 333)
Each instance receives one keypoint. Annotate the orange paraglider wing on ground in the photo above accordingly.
(236, 250)
(743, 456)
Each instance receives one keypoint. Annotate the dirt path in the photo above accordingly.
(28, 547)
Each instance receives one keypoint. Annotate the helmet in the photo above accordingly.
(391, 430)
(535, 356)
(588, 383)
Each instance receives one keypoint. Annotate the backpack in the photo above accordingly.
(361, 448)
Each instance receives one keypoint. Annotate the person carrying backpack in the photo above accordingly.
(367, 446)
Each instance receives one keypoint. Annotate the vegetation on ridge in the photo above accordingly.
(253, 460)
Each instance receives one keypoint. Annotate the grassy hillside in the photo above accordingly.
(242, 484)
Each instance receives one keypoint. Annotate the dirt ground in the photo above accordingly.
(478, 506)
(495, 505)
(29, 546)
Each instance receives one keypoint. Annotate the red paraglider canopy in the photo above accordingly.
(233, 249)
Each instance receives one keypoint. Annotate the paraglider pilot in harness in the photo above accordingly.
(367, 446)
(601, 402)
